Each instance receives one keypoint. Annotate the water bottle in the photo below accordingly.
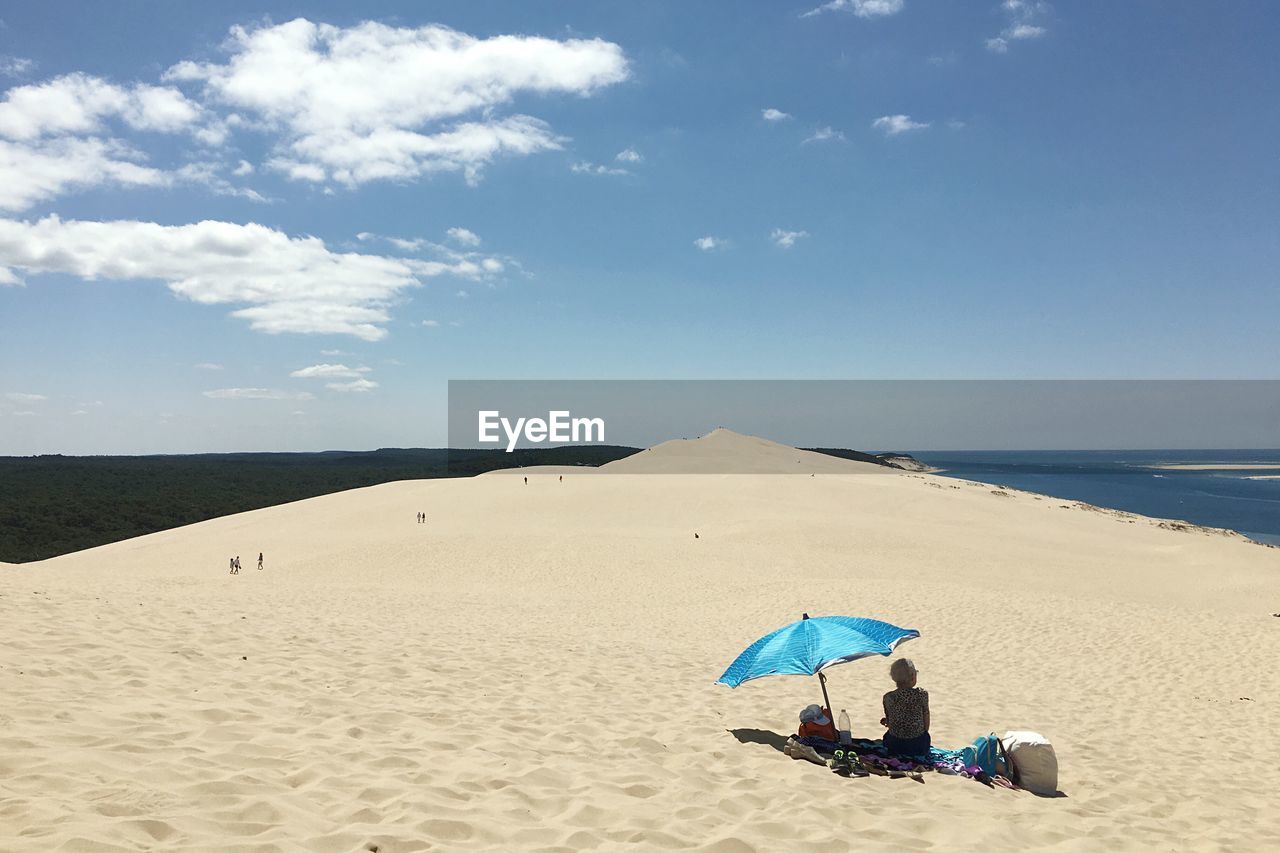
(843, 727)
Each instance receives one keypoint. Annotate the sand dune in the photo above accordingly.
(533, 669)
(721, 451)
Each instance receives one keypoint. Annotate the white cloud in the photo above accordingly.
(629, 155)
(464, 263)
(35, 170)
(206, 174)
(288, 284)
(709, 244)
(825, 134)
(25, 414)
(771, 114)
(257, 394)
(894, 125)
(786, 239)
(861, 8)
(431, 324)
(333, 352)
(955, 124)
(407, 245)
(582, 167)
(358, 385)
(329, 371)
(79, 104)
(373, 102)
(1023, 9)
(207, 365)
(1025, 21)
(463, 236)
(79, 412)
(15, 66)
(297, 171)
(455, 323)
(354, 159)
(54, 137)
(244, 167)
(18, 397)
(462, 294)
(30, 173)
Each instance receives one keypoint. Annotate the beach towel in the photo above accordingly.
(873, 753)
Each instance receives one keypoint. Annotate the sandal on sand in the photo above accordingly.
(808, 753)
(847, 763)
(855, 770)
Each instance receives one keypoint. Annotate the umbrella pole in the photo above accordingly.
(822, 679)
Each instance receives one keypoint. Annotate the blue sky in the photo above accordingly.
(955, 190)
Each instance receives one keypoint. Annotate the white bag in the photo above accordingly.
(1034, 759)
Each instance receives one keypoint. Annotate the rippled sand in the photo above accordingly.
(533, 669)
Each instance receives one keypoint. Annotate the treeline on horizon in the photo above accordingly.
(53, 505)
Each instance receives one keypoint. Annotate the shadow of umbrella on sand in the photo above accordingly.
(809, 646)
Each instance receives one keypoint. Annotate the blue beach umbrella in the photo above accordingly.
(809, 646)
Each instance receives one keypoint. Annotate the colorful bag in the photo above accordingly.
(987, 754)
(817, 725)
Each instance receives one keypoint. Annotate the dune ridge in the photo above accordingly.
(533, 668)
(721, 451)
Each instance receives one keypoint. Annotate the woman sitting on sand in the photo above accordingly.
(906, 712)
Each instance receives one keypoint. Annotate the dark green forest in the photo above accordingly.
(51, 505)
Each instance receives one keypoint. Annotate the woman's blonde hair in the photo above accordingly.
(901, 671)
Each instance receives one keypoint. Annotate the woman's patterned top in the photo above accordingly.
(905, 708)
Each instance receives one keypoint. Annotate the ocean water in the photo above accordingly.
(1127, 480)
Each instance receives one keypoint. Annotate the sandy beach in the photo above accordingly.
(533, 668)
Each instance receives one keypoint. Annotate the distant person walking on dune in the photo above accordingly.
(259, 561)
(233, 565)
(237, 561)
(526, 481)
(419, 518)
